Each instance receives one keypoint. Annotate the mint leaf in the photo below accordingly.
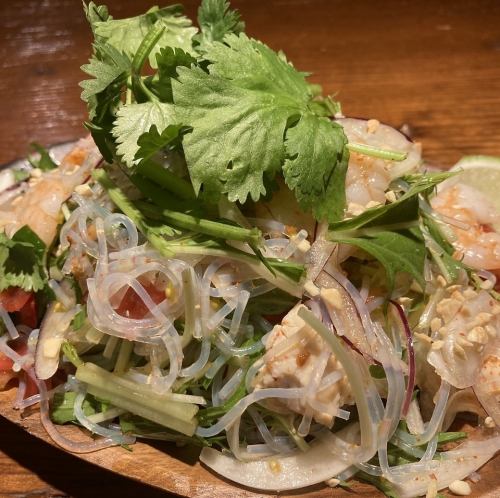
(216, 20)
(404, 210)
(168, 60)
(239, 112)
(398, 252)
(133, 120)
(151, 142)
(317, 165)
(127, 34)
(44, 161)
(22, 261)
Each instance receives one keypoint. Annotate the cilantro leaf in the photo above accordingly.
(44, 162)
(152, 141)
(216, 20)
(317, 165)
(239, 112)
(401, 251)
(127, 34)
(22, 261)
(95, 13)
(133, 120)
(168, 60)
(107, 67)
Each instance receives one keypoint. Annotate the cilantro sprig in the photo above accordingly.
(22, 261)
(246, 113)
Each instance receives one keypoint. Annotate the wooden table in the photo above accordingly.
(434, 66)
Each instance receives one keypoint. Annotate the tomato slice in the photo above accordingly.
(27, 315)
(14, 298)
(132, 306)
(5, 363)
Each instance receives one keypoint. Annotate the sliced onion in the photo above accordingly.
(51, 336)
(453, 465)
(278, 473)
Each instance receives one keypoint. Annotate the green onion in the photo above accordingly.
(368, 150)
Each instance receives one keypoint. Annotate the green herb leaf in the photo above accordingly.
(405, 210)
(273, 302)
(20, 175)
(22, 261)
(316, 166)
(168, 60)
(253, 95)
(44, 162)
(109, 70)
(133, 120)
(443, 254)
(127, 34)
(216, 20)
(79, 319)
(151, 142)
(377, 371)
(95, 13)
(402, 251)
(63, 407)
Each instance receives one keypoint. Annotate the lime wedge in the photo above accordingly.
(481, 173)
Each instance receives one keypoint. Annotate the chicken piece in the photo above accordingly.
(295, 356)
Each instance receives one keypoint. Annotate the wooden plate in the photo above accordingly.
(178, 470)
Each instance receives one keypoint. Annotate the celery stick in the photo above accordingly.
(126, 348)
(142, 395)
(186, 426)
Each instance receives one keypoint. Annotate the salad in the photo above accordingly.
(227, 261)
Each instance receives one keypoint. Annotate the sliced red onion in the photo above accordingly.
(411, 358)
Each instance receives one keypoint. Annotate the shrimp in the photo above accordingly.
(464, 328)
(40, 206)
(368, 178)
(476, 243)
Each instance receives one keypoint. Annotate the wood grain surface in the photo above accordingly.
(434, 66)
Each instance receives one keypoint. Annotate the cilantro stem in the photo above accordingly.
(195, 224)
(128, 209)
(159, 196)
(368, 150)
(169, 181)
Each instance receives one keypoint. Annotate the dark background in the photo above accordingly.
(434, 66)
